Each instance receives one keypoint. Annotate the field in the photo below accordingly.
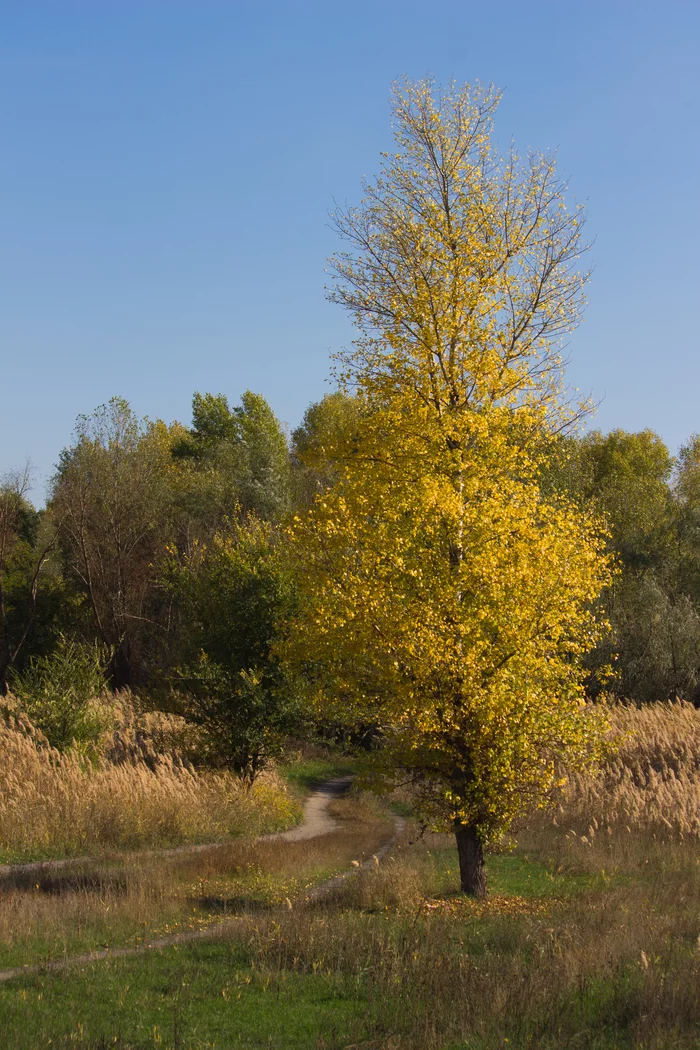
(589, 937)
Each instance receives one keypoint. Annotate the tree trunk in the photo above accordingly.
(472, 871)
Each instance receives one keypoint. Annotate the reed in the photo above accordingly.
(650, 784)
(62, 803)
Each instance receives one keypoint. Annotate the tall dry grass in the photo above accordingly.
(650, 786)
(131, 795)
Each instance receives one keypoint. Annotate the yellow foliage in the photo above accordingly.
(443, 597)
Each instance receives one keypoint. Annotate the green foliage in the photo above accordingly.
(651, 504)
(306, 773)
(232, 593)
(656, 639)
(57, 692)
(33, 595)
(240, 455)
(626, 477)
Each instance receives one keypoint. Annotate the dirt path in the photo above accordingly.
(317, 821)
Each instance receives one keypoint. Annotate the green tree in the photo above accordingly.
(32, 593)
(241, 456)
(58, 692)
(232, 592)
(650, 504)
(626, 477)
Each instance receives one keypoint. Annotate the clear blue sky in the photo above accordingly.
(166, 170)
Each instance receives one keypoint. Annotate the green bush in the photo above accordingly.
(58, 692)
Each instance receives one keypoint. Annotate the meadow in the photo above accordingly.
(589, 936)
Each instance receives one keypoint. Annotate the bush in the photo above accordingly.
(58, 692)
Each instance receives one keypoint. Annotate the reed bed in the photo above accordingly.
(650, 785)
(54, 803)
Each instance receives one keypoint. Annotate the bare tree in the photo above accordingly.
(110, 501)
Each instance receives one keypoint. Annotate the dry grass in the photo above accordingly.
(55, 803)
(124, 902)
(651, 786)
(590, 939)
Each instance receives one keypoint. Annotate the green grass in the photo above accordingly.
(517, 874)
(208, 996)
(310, 772)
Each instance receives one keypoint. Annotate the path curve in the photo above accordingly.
(316, 822)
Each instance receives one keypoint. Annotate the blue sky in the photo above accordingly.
(167, 168)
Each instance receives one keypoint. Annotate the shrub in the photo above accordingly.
(58, 692)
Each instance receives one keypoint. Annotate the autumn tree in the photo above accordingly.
(315, 443)
(444, 596)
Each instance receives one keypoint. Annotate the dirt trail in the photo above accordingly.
(317, 821)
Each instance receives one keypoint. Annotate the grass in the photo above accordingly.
(589, 939)
(305, 773)
(397, 961)
(125, 903)
(194, 998)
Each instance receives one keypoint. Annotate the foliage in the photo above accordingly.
(57, 692)
(316, 442)
(232, 592)
(33, 596)
(240, 455)
(625, 477)
(442, 594)
(650, 503)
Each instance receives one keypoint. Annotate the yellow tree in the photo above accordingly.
(443, 597)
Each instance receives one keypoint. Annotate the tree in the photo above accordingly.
(316, 441)
(27, 543)
(232, 592)
(442, 594)
(241, 457)
(111, 500)
(627, 478)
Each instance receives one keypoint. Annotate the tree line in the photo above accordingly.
(164, 544)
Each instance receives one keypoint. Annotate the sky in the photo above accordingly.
(167, 169)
